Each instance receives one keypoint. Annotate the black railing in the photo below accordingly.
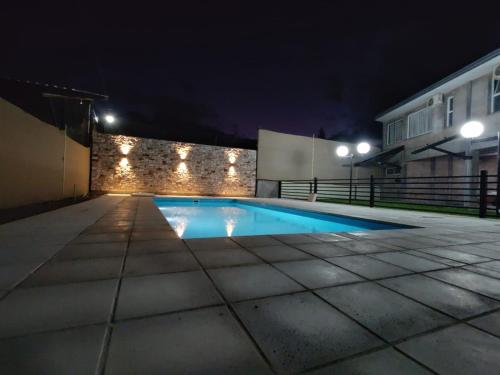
(460, 194)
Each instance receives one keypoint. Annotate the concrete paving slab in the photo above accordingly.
(255, 281)
(300, 331)
(483, 271)
(317, 273)
(177, 261)
(489, 323)
(410, 262)
(329, 237)
(435, 258)
(449, 299)
(456, 350)
(101, 237)
(47, 308)
(472, 281)
(226, 258)
(455, 255)
(156, 294)
(205, 341)
(389, 314)
(73, 351)
(92, 250)
(368, 267)
(280, 253)
(13, 274)
(324, 250)
(294, 239)
(156, 246)
(74, 271)
(386, 361)
(366, 247)
(199, 244)
(154, 235)
(256, 241)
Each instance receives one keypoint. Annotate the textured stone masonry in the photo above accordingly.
(131, 164)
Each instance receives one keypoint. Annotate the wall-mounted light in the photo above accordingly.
(232, 158)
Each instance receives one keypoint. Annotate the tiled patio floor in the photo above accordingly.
(106, 287)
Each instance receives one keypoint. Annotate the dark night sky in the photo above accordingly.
(280, 65)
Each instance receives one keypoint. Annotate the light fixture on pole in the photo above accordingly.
(110, 119)
(343, 152)
(472, 129)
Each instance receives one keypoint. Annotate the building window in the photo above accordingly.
(393, 172)
(449, 111)
(495, 92)
(419, 122)
(394, 132)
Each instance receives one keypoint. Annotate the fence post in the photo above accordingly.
(279, 189)
(483, 193)
(372, 191)
(315, 185)
(310, 187)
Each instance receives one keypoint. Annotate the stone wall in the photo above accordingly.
(129, 164)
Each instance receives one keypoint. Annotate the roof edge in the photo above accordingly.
(441, 82)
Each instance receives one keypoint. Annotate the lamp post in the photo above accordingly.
(343, 152)
(470, 130)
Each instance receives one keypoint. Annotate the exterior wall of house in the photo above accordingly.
(290, 157)
(33, 160)
(129, 164)
(471, 101)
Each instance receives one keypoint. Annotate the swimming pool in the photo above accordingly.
(204, 218)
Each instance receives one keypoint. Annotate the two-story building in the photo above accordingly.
(421, 134)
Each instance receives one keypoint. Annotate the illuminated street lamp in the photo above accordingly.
(343, 152)
(109, 118)
(363, 148)
(472, 129)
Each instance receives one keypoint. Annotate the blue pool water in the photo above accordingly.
(205, 218)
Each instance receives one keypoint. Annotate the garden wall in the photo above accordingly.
(124, 164)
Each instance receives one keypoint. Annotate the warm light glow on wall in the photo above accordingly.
(182, 168)
(125, 148)
(231, 171)
(125, 144)
(183, 151)
(124, 163)
(232, 155)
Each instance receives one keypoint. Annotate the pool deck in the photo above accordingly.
(107, 287)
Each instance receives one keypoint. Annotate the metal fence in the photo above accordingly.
(461, 194)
